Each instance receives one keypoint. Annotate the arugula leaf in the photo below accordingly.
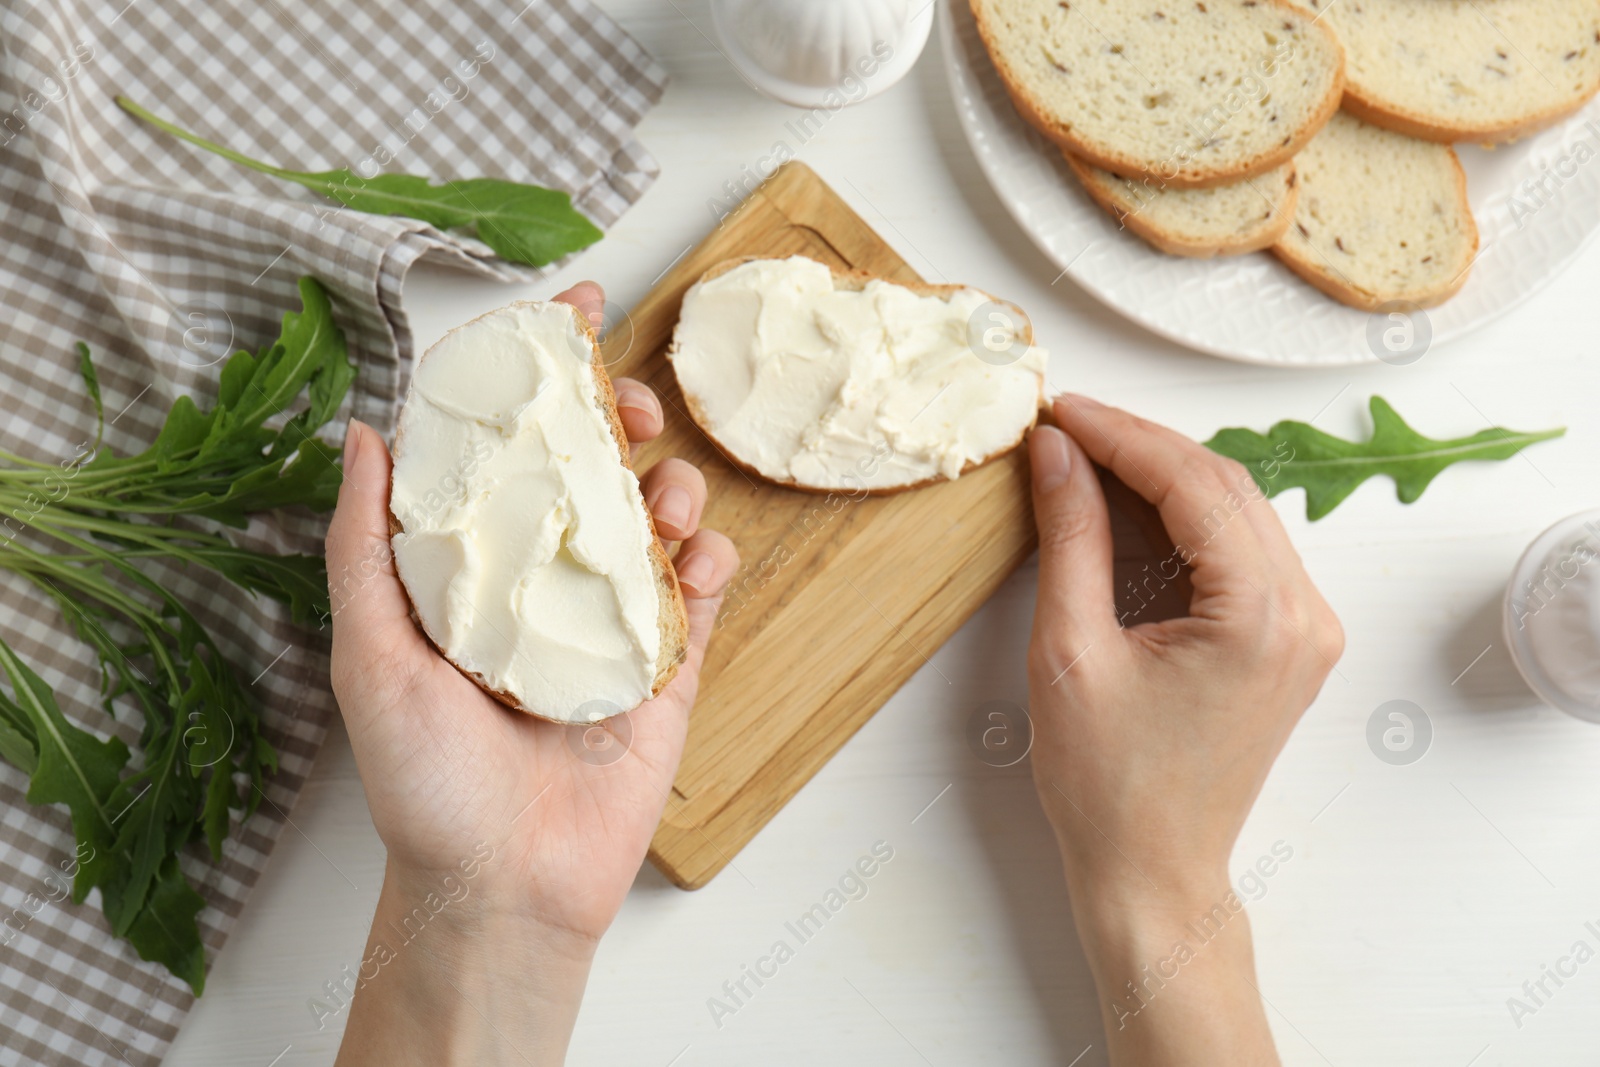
(203, 755)
(299, 581)
(156, 813)
(166, 932)
(523, 223)
(1297, 455)
(224, 463)
(311, 478)
(17, 746)
(71, 767)
(91, 382)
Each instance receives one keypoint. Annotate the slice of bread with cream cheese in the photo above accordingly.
(834, 381)
(519, 530)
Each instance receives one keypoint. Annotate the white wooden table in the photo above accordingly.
(1418, 899)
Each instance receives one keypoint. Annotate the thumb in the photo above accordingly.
(1075, 606)
(369, 609)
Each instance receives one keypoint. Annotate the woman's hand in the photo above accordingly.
(1152, 742)
(527, 831)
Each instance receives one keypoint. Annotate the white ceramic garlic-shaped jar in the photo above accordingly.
(822, 53)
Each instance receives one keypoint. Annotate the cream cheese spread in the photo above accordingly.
(525, 545)
(842, 388)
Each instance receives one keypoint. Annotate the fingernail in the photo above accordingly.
(1052, 462)
(1079, 400)
(673, 506)
(639, 399)
(352, 442)
(696, 571)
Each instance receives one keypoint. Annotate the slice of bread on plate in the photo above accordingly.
(1190, 93)
(1382, 217)
(1466, 70)
(518, 528)
(841, 382)
(1225, 220)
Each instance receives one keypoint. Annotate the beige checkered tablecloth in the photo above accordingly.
(162, 258)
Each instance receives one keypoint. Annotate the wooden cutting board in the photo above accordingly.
(837, 601)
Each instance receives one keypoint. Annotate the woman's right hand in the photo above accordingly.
(1152, 741)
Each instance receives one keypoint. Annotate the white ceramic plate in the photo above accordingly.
(1537, 204)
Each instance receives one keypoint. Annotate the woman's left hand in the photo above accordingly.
(527, 831)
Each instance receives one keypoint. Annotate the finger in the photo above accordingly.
(1075, 606)
(639, 408)
(675, 492)
(587, 297)
(370, 613)
(705, 563)
(1237, 497)
(1261, 516)
(1185, 481)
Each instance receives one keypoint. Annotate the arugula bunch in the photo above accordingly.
(77, 531)
(1298, 455)
(523, 223)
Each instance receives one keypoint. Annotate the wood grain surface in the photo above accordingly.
(838, 599)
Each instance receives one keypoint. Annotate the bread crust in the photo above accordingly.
(1314, 271)
(1068, 141)
(672, 616)
(1413, 123)
(1177, 244)
(855, 280)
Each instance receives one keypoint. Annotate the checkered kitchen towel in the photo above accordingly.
(163, 258)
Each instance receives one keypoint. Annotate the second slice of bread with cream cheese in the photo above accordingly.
(519, 530)
(827, 380)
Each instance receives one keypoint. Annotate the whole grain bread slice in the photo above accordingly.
(852, 280)
(1224, 220)
(1382, 218)
(1485, 71)
(672, 617)
(1192, 93)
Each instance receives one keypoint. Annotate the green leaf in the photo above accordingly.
(155, 820)
(17, 746)
(118, 675)
(210, 733)
(1297, 455)
(182, 434)
(261, 387)
(220, 796)
(73, 767)
(523, 223)
(311, 479)
(253, 450)
(226, 462)
(299, 581)
(165, 931)
(17, 750)
(91, 382)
